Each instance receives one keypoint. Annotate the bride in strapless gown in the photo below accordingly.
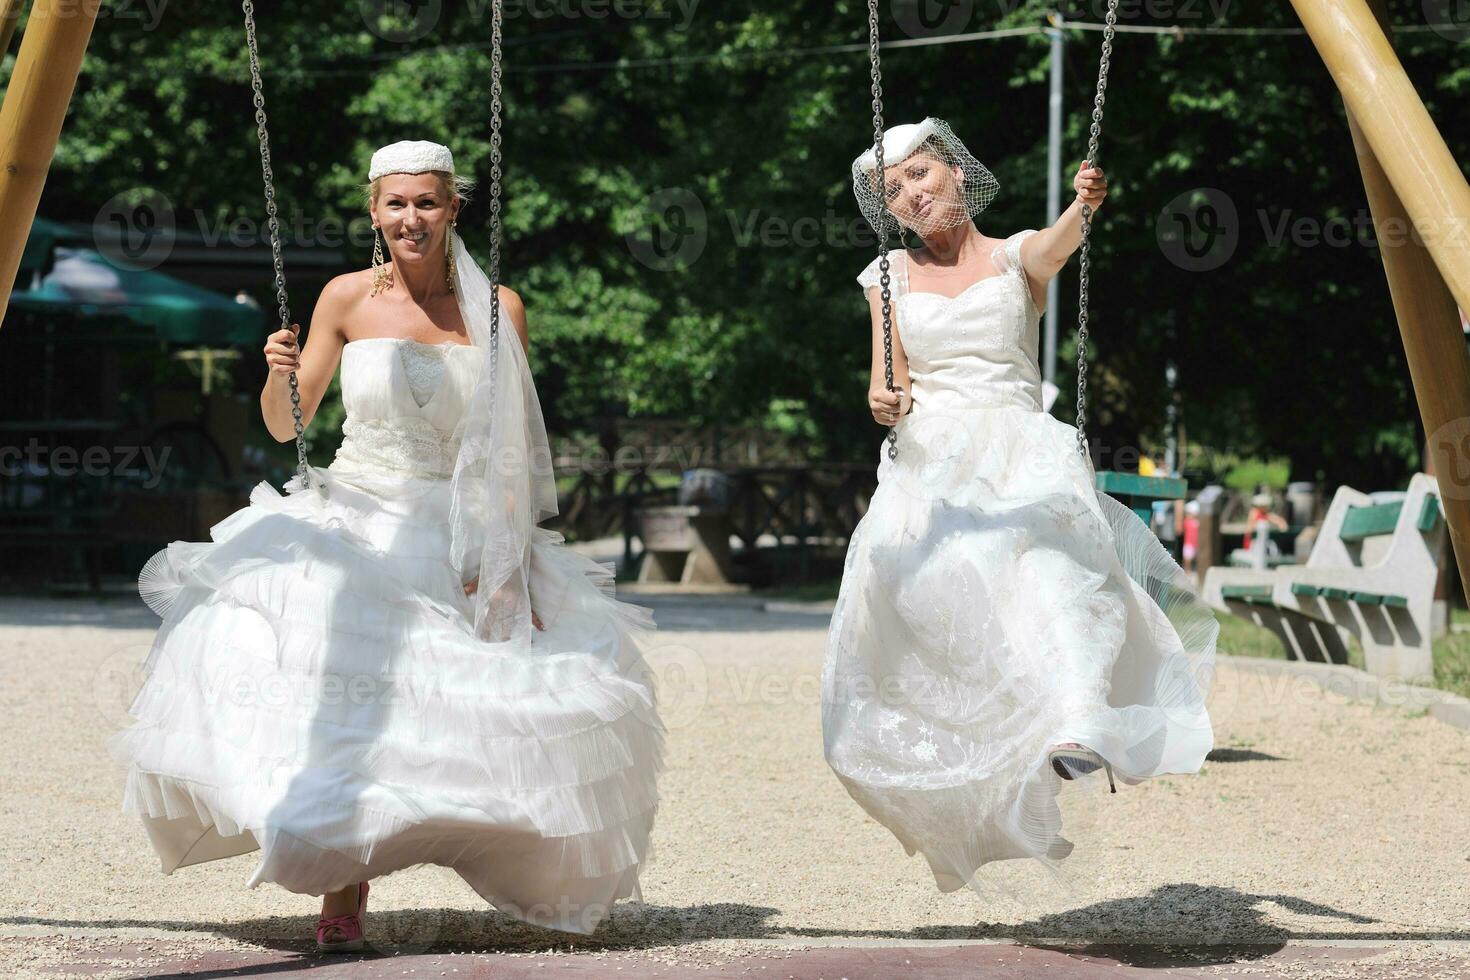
(316, 690)
(993, 603)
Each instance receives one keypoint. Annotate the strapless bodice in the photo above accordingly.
(404, 399)
(977, 349)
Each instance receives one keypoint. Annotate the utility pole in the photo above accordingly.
(1053, 189)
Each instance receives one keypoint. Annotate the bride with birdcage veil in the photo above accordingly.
(1002, 627)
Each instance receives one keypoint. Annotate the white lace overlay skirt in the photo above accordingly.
(316, 691)
(993, 603)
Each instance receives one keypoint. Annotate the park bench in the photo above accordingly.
(1270, 547)
(1370, 574)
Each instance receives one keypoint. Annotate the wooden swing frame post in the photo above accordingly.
(1412, 181)
(9, 16)
(46, 70)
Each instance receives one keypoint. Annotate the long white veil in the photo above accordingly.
(503, 483)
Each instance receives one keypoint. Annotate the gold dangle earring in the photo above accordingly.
(382, 271)
(449, 258)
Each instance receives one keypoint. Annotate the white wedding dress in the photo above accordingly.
(316, 689)
(994, 603)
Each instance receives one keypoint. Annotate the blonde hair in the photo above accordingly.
(455, 185)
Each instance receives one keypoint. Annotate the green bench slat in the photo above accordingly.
(1245, 590)
(1429, 513)
(1235, 561)
(1365, 522)
(1137, 485)
(1260, 594)
(1325, 591)
(1366, 598)
(1379, 599)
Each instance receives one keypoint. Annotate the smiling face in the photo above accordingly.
(925, 192)
(415, 212)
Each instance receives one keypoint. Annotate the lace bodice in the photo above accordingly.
(423, 366)
(975, 350)
(404, 400)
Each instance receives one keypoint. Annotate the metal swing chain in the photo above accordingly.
(876, 71)
(496, 17)
(275, 227)
(1094, 135)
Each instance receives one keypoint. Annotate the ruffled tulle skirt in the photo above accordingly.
(316, 691)
(994, 603)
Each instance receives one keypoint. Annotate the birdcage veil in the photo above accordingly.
(933, 181)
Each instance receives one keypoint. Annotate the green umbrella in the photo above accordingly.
(36, 259)
(182, 313)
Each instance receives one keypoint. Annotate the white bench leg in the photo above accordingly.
(1395, 644)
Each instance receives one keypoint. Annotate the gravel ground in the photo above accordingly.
(1316, 818)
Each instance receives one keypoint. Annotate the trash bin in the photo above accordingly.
(706, 488)
(689, 543)
(1301, 498)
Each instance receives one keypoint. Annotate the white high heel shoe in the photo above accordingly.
(1071, 759)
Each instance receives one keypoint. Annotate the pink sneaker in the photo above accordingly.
(343, 933)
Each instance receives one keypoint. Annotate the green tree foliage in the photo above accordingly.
(1287, 348)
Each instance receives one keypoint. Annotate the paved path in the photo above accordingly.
(1324, 838)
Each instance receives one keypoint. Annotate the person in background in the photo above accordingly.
(1261, 511)
(1191, 534)
(1165, 522)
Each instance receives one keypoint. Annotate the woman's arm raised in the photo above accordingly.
(1044, 253)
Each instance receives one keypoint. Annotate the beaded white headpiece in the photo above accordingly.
(410, 157)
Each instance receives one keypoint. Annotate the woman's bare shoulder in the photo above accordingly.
(347, 289)
(338, 302)
(514, 305)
